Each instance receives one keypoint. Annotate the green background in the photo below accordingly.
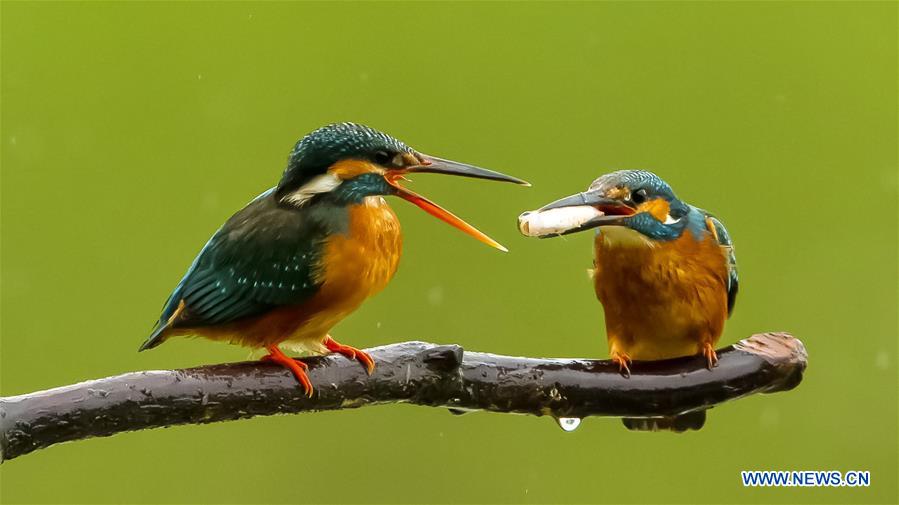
(131, 131)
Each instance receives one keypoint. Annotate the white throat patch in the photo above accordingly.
(319, 184)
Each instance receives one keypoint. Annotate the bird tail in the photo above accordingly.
(172, 309)
(677, 424)
(155, 338)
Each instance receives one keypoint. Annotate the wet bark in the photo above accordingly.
(411, 372)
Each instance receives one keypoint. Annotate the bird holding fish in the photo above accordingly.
(664, 270)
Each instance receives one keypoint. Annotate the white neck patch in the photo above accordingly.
(670, 220)
(319, 184)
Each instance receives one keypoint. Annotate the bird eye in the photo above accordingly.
(382, 158)
(638, 196)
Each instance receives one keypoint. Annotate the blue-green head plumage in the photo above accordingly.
(375, 163)
(634, 188)
(319, 150)
(639, 186)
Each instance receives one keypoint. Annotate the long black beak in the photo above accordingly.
(578, 212)
(590, 198)
(435, 165)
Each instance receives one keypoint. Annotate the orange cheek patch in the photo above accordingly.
(659, 208)
(348, 169)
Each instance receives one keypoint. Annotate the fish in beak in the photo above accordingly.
(433, 165)
(578, 212)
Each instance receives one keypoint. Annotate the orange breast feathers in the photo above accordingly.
(361, 262)
(354, 266)
(662, 299)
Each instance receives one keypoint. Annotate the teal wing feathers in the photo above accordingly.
(727, 246)
(263, 257)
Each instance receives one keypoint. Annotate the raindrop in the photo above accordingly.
(882, 360)
(435, 295)
(568, 423)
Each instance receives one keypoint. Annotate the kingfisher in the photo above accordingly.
(300, 257)
(664, 270)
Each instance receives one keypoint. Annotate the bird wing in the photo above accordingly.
(727, 246)
(264, 256)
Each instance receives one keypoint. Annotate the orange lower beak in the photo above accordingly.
(439, 212)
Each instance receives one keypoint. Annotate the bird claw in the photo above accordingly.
(351, 353)
(296, 367)
(623, 361)
(710, 355)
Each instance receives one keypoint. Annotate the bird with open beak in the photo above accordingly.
(305, 254)
(664, 270)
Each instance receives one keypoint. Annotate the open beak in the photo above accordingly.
(578, 212)
(434, 165)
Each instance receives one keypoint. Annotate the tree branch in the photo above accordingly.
(411, 372)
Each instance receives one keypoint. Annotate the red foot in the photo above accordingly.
(351, 353)
(298, 368)
(710, 355)
(623, 360)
